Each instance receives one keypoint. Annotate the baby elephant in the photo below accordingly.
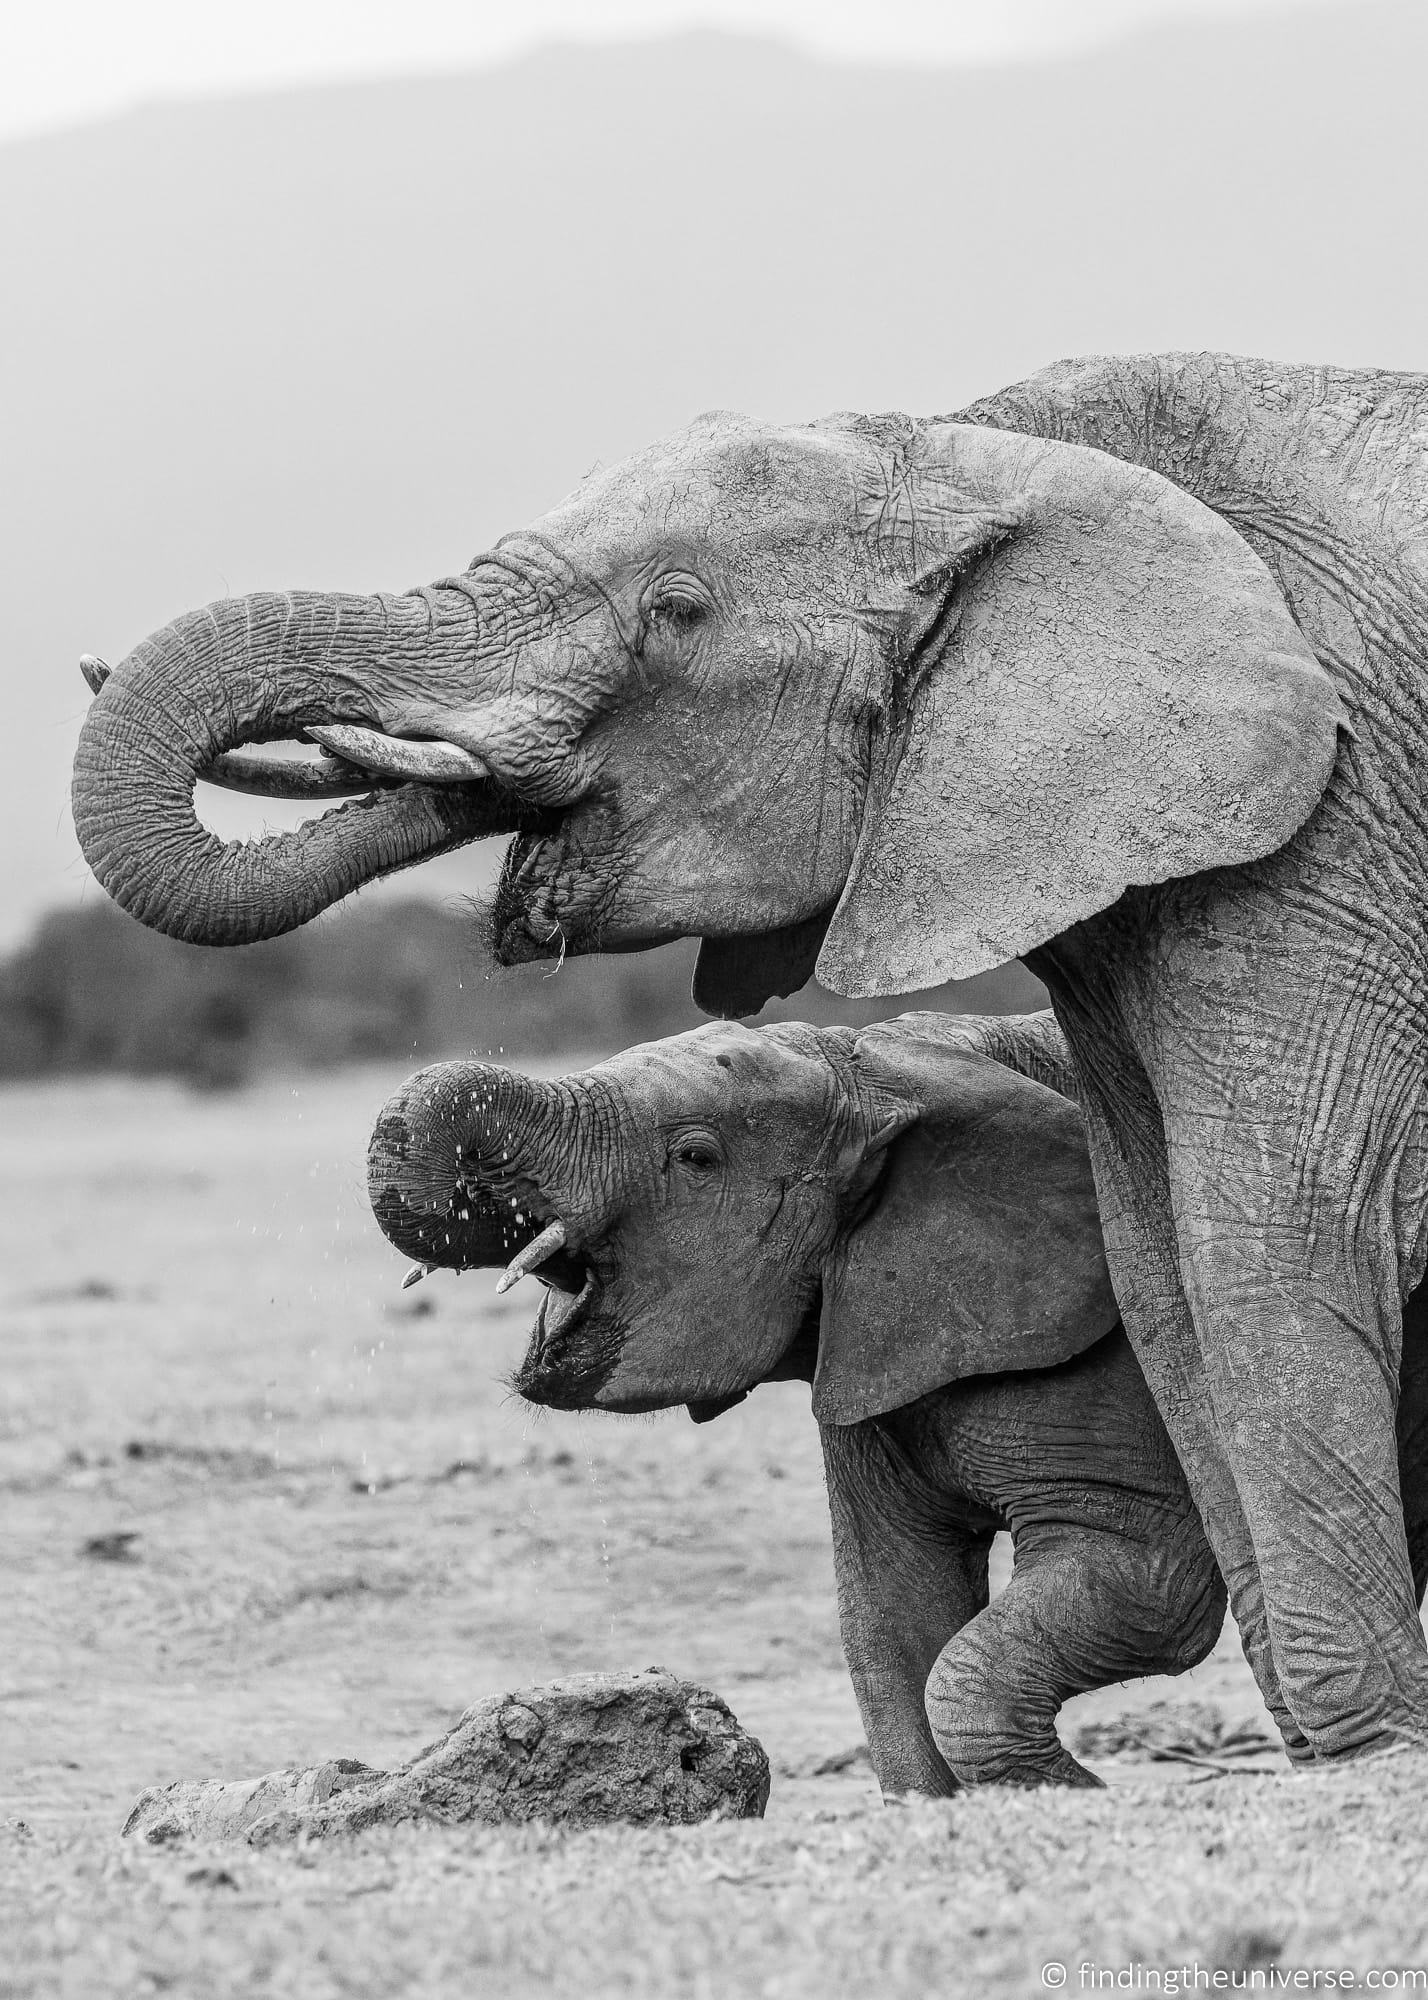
(909, 1224)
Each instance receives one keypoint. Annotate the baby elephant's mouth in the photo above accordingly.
(561, 1310)
(574, 1347)
(471, 1167)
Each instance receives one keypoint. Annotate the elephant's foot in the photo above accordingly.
(1354, 1677)
(1017, 1766)
(986, 1736)
(1393, 1740)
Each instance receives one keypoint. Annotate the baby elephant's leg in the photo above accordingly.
(907, 1575)
(1083, 1608)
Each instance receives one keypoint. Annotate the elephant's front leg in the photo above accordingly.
(1299, 1322)
(1284, 1049)
(908, 1579)
(1132, 1181)
(1275, 1371)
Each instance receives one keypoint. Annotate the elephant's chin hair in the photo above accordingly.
(481, 910)
(573, 1379)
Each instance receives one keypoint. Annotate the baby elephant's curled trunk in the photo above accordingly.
(462, 1166)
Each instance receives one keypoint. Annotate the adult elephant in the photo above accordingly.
(1122, 671)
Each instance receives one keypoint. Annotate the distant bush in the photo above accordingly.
(92, 990)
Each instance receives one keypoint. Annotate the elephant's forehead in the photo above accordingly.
(723, 1073)
(721, 476)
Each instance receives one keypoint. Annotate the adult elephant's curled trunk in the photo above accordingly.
(255, 670)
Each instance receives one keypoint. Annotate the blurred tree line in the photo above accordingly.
(92, 990)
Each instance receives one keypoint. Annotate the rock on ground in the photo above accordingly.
(643, 1748)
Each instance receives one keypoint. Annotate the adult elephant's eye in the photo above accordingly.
(697, 1155)
(679, 603)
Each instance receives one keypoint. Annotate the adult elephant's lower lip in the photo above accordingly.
(522, 927)
(554, 890)
(528, 941)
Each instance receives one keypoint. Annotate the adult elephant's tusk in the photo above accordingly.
(551, 1239)
(355, 755)
(426, 761)
(290, 777)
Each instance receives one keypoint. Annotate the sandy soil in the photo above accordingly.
(263, 1508)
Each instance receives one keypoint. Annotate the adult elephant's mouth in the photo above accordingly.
(555, 892)
(411, 779)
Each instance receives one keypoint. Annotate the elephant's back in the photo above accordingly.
(1253, 439)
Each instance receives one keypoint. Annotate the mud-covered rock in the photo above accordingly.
(215, 1809)
(643, 1748)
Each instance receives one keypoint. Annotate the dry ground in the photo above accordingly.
(262, 1508)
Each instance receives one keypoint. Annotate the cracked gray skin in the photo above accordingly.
(906, 1219)
(1122, 671)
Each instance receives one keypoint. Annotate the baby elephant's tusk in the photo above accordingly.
(416, 1274)
(425, 760)
(551, 1239)
(95, 671)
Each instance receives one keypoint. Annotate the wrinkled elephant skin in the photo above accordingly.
(1121, 670)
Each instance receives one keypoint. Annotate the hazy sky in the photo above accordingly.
(65, 61)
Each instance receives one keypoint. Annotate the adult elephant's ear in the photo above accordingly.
(1098, 684)
(981, 1250)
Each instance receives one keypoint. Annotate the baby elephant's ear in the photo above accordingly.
(982, 1251)
(1099, 683)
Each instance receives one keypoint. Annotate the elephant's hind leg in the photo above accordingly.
(1082, 1609)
